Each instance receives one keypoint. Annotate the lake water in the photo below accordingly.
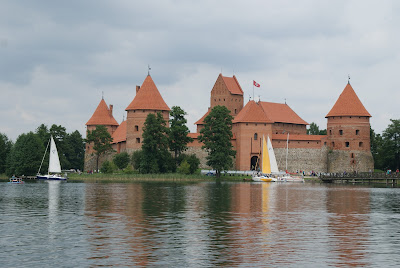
(200, 224)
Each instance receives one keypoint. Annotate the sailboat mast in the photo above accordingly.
(43, 157)
(287, 149)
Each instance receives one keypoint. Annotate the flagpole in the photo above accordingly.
(253, 90)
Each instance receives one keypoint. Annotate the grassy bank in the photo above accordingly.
(120, 177)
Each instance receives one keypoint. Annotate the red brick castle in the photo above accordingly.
(346, 147)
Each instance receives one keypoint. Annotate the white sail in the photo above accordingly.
(54, 163)
(272, 159)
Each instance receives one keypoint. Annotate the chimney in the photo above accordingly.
(137, 89)
(110, 110)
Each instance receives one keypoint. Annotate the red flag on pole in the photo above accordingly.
(256, 84)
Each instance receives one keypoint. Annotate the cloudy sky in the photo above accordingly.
(57, 57)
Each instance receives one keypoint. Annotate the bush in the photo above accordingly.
(121, 160)
(107, 167)
(129, 170)
(194, 163)
(184, 167)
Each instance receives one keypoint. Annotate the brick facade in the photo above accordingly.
(346, 147)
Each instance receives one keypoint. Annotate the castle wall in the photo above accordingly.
(304, 159)
(350, 161)
(134, 127)
(281, 128)
(348, 133)
(247, 143)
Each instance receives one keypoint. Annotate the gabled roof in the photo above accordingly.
(120, 133)
(201, 120)
(232, 84)
(148, 98)
(348, 104)
(281, 113)
(252, 113)
(102, 116)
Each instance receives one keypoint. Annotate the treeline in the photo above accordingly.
(385, 147)
(25, 155)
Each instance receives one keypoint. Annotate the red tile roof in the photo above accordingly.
(268, 112)
(233, 85)
(201, 120)
(348, 104)
(120, 133)
(102, 116)
(281, 113)
(294, 137)
(148, 98)
(252, 113)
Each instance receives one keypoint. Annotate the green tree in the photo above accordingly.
(155, 155)
(121, 160)
(178, 132)
(390, 148)
(216, 136)
(136, 159)
(25, 155)
(74, 150)
(101, 141)
(5, 149)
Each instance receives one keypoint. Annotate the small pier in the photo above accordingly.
(362, 177)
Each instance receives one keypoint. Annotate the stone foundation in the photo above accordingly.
(350, 161)
(304, 159)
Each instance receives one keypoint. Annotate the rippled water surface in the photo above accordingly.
(198, 225)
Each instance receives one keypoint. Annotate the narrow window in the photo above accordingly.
(255, 136)
(333, 144)
(136, 128)
(340, 132)
(352, 155)
(235, 111)
(330, 132)
(347, 144)
(357, 132)
(360, 144)
(137, 140)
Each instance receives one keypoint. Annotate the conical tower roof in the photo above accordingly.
(148, 98)
(348, 104)
(102, 116)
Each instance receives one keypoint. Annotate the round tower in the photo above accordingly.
(147, 100)
(348, 134)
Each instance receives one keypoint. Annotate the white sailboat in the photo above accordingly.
(269, 167)
(54, 172)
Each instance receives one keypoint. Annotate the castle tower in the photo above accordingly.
(147, 100)
(227, 92)
(101, 116)
(348, 134)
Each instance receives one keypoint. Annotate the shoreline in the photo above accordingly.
(101, 177)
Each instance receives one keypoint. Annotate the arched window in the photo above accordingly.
(255, 136)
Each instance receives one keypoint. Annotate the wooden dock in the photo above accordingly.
(361, 177)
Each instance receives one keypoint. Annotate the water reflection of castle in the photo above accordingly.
(346, 147)
(228, 223)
